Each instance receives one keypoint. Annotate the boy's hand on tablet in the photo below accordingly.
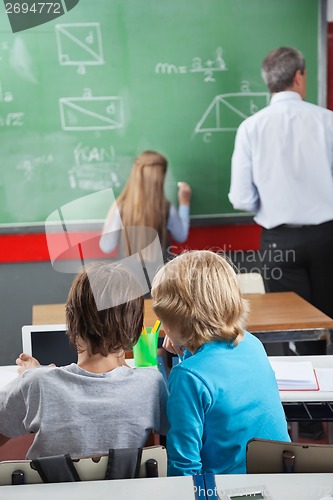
(26, 362)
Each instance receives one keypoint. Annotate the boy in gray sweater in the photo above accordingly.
(99, 402)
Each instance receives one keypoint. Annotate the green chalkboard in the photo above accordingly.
(83, 94)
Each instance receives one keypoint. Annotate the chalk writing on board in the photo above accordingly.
(206, 67)
(5, 96)
(4, 47)
(79, 44)
(91, 113)
(88, 154)
(227, 111)
(29, 165)
(12, 120)
(95, 168)
(93, 178)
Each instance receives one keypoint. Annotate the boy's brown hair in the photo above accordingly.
(114, 328)
(198, 292)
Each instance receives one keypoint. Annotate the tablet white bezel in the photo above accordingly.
(28, 329)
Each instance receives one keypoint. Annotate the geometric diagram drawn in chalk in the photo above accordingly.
(227, 111)
(79, 44)
(91, 113)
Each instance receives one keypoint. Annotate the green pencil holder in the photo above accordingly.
(145, 350)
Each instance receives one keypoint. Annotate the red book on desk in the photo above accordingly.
(295, 376)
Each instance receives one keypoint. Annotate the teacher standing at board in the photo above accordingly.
(142, 203)
(282, 170)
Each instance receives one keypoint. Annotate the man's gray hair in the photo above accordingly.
(279, 68)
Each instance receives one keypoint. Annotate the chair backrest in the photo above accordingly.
(251, 283)
(269, 457)
(87, 468)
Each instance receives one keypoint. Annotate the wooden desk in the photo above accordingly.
(274, 317)
(285, 317)
(53, 314)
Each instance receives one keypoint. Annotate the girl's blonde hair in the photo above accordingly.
(142, 202)
(198, 292)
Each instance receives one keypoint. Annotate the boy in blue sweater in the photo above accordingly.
(224, 392)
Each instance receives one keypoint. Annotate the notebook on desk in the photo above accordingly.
(295, 376)
(48, 344)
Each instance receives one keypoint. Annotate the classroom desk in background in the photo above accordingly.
(274, 317)
(325, 381)
(285, 317)
(310, 405)
(274, 486)
(53, 314)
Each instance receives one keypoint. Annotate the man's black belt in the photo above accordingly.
(291, 226)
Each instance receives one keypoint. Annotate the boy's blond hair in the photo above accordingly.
(198, 292)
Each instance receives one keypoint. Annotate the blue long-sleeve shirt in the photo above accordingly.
(220, 398)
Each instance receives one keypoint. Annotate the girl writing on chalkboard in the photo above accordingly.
(143, 204)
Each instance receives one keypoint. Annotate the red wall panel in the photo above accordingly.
(34, 247)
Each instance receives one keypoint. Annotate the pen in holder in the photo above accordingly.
(145, 350)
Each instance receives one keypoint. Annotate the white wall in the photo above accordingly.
(330, 10)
